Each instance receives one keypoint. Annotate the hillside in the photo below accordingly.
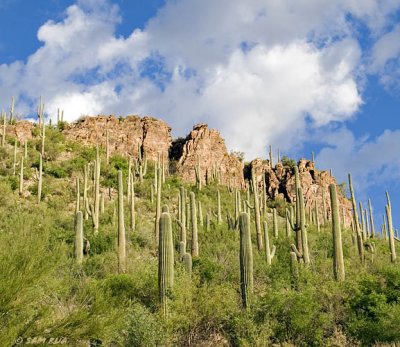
(110, 178)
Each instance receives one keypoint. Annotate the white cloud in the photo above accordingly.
(385, 57)
(372, 161)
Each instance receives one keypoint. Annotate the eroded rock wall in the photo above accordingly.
(280, 183)
(152, 135)
(205, 146)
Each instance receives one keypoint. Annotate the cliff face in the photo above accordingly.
(280, 183)
(206, 148)
(153, 136)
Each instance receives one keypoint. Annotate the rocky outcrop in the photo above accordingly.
(152, 135)
(280, 183)
(22, 130)
(205, 147)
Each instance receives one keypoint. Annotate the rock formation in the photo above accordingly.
(22, 130)
(280, 183)
(153, 136)
(206, 148)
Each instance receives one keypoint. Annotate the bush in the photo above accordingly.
(375, 308)
(286, 161)
(56, 172)
(143, 328)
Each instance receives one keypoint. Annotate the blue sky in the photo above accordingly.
(302, 75)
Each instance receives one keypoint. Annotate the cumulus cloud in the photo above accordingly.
(385, 57)
(260, 71)
(373, 161)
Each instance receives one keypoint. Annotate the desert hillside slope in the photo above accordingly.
(114, 234)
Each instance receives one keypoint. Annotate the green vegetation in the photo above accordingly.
(82, 275)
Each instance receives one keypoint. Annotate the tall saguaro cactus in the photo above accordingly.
(299, 242)
(257, 212)
(132, 204)
(40, 179)
(360, 245)
(371, 218)
(78, 237)
(96, 208)
(219, 215)
(158, 206)
(121, 226)
(338, 263)
(21, 177)
(197, 170)
(269, 253)
(165, 261)
(301, 229)
(12, 110)
(182, 222)
(270, 155)
(390, 232)
(275, 223)
(3, 137)
(246, 260)
(193, 210)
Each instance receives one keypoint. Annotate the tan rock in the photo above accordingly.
(315, 184)
(22, 130)
(205, 146)
(153, 136)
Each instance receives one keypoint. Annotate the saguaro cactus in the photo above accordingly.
(40, 174)
(269, 253)
(3, 137)
(12, 110)
(182, 222)
(96, 208)
(141, 164)
(15, 156)
(78, 196)
(121, 226)
(158, 206)
(317, 217)
(201, 221)
(338, 263)
(43, 135)
(324, 216)
(299, 242)
(390, 232)
(363, 226)
(165, 261)
(85, 191)
(132, 205)
(356, 223)
(219, 215)
(79, 237)
(21, 177)
(193, 210)
(371, 218)
(301, 229)
(246, 260)
(288, 225)
(197, 170)
(275, 223)
(270, 155)
(107, 148)
(257, 212)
